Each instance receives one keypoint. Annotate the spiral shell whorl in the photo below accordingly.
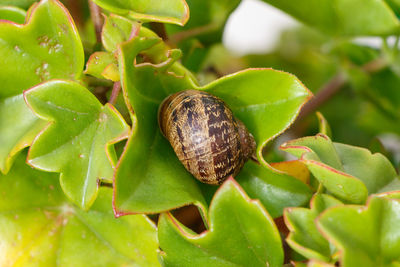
(205, 135)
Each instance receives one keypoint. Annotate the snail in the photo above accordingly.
(209, 141)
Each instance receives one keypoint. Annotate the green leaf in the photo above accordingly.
(77, 140)
(13, 14)
(395, 5)
(39, 227)
(324, 127)
(267, 101)
(98, 63)
(392, 195)
(343, 17)
(304, 236)
(241, 233)
(316, 263)
(117, 30)
(275, 190)
(383, 92)
(206, 23)
(18, 3)
(47, 47)
(348, 172)
(166, 11)
(366, 236)
(149, 177)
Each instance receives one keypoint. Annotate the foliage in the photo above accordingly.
(85, 111)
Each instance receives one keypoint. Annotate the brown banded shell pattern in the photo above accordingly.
(204, 135)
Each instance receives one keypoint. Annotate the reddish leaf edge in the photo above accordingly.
(180, 22)
(164, 65)
(236, 185)
(31, 13)
(136, 25)
(292, 229)
(287, 145)
(306, 150)
(168, 62)
(151, 18)
(107, 147)
(360, 208)
(28, 21)
(261, 146)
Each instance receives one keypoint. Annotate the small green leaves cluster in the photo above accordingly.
(72, 160)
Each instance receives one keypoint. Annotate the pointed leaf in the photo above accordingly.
(348, 172)
(117, 29)
(39, 227)
(366, 236)
(343, 17)
(149, 177)
(241, 234)
(47, 47)
(304, 236)
(324, 127)
(74, 142)
(166, 11)
(267, 101)
(98, 62)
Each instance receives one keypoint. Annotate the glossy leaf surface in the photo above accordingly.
(166, 11)
(39, 227)
(117, 29)
(241, 233)
(350, 173)
(98, 63)
(25, 4)
(13, 14)
(75, 142)
(267, 108)
(275, 190)
(47, 47)
(366, 236)
(149, 177)
(294, 168)
(304, 236)
(343, 17)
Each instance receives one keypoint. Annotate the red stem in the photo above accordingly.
(114, 93)
(95, 14)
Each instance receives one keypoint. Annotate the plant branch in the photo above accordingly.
(159, 28)
(323, 95)
(334, 85)
(75, 7)
(114, 93)
(95, 14)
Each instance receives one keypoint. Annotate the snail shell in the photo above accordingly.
(206, 137)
